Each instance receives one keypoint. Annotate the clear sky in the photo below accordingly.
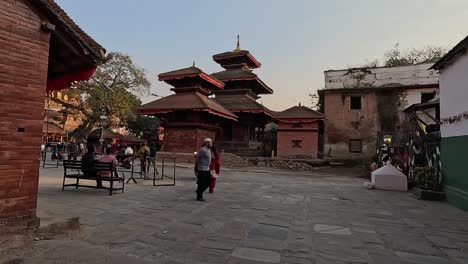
(295, 40)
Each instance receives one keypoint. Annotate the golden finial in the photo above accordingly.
(238, 44)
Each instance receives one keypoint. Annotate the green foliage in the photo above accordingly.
(316, 101)
(144, 126)
(113, 90)
(426, 179)
(428, 54)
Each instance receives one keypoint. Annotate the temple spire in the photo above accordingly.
(238, 44)
(193, 65)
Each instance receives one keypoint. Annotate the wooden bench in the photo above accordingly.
(72, 170)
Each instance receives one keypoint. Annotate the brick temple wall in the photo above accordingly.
(307, 135)
(24, 52)
(185, 139)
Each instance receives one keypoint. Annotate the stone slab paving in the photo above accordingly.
(253, 217)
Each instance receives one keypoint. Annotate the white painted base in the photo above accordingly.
(389, 178)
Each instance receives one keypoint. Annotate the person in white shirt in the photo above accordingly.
(129, 151)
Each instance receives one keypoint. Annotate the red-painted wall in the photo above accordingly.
(24, 52)
(307, 134)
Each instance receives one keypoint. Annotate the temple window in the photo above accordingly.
(355, 145)
(296, 143)
(355, 103)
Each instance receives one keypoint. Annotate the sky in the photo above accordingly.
(295, 40)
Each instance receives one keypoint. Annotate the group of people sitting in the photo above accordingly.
(89, 159)
(125, 158)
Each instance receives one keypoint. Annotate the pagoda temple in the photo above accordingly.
(189, 116)
(240, 94)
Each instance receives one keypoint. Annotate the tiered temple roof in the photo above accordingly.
(242, 85)
(191, 87)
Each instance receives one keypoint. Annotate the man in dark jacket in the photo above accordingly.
(152, 158)
(87, 165)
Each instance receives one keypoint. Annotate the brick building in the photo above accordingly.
(360, 104)
(189, 116)
(58, 121)
(298, 132)
(40, 48)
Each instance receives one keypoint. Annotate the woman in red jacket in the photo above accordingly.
(215, 167)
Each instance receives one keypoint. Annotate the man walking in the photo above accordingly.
(152, 158)
(202, 168)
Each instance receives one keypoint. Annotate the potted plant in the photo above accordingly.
(427, 185)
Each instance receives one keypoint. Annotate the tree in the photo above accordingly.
(144, 126)
(428, 54)
(111, 91)
(316, 101)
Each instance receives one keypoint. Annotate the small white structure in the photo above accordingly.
(389, 178)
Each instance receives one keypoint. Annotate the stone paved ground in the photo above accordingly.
(253, 217)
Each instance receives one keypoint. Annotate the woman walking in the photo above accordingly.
(215, 167)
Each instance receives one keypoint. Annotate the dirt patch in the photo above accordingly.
(15, 246)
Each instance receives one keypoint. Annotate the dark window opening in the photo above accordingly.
(355, 103)
(296, 143)
(355, 145)
(426, 97)
(297, 125)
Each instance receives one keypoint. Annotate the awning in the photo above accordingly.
(65, 81)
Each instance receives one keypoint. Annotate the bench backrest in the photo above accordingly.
(72, 164)
(97, 166)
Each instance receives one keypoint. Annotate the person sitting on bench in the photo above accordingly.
(87, 162)
(108, 158)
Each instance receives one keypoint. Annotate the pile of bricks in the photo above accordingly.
(230, 160)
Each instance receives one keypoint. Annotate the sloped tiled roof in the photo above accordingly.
(108, 134)
(242, 103)
(61, 19)
(243, 74)
(186, 101)
(250, 60)
(299, 112)
(190, 72)
(234, 74)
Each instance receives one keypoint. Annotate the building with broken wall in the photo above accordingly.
(359, 104)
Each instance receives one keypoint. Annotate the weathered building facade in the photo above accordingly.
(41, 49)
(359, 104)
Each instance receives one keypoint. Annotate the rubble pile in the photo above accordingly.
(233, 161)
(290, 165)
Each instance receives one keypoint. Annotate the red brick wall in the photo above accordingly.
(24, 51)
(308, 134)
(186, 139)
